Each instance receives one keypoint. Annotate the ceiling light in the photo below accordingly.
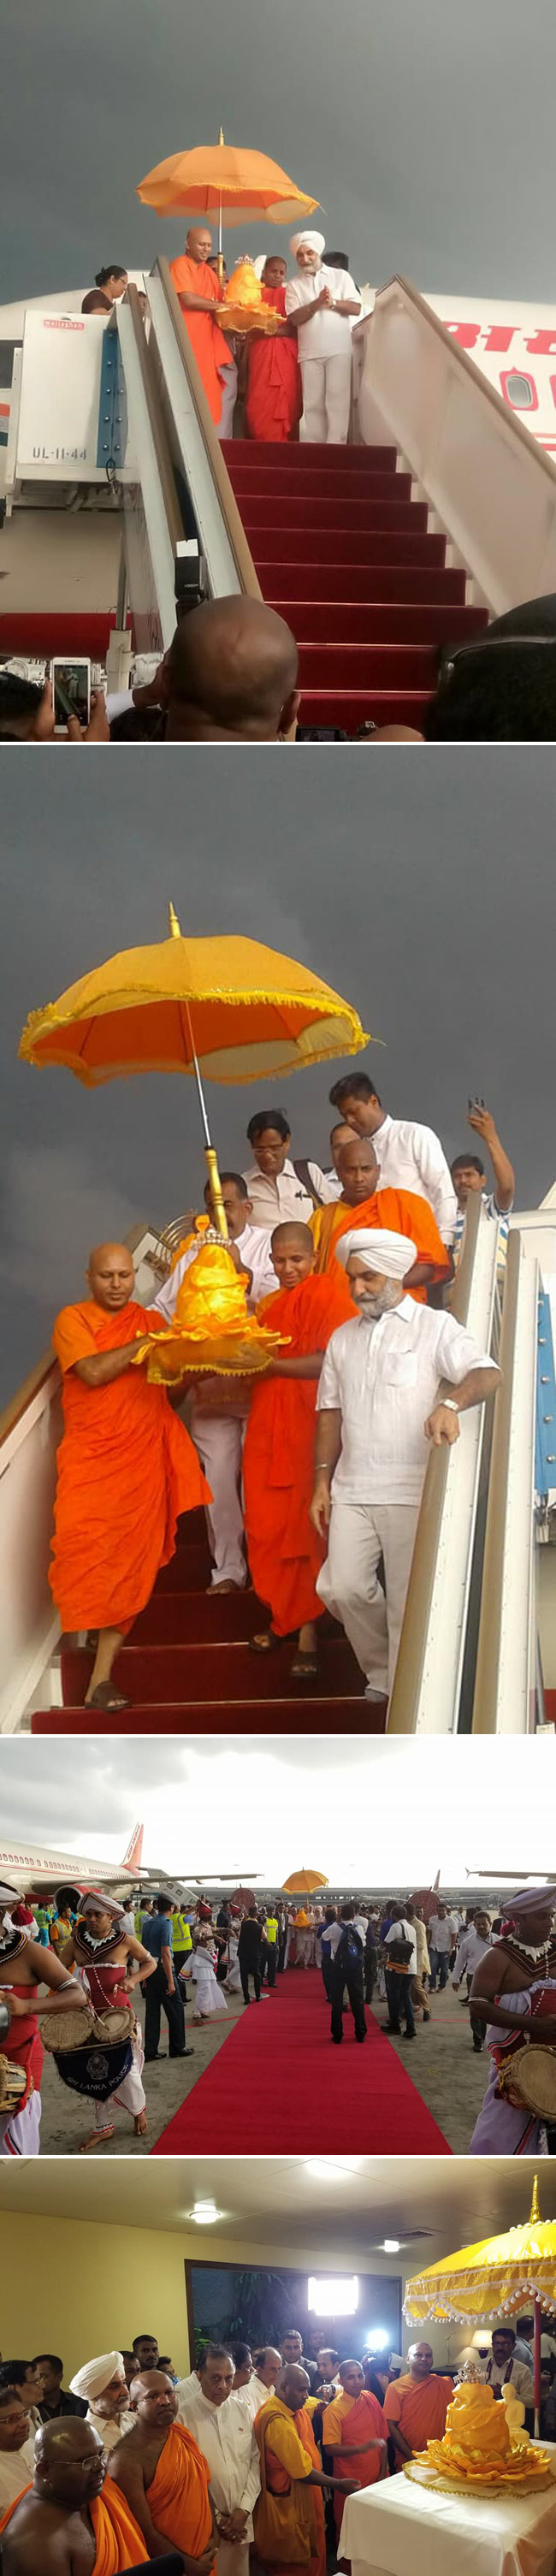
(376, 2340)
(334, 2298)
(327, 2169)
(204, 2213)
(390, 2245)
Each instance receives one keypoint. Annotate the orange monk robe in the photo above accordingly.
(274, 401)
(179, 2496)
(350, 2419)
(208, 342)
(285, 1554)
(400, 1211)
(288, 2518)
(119, 2542)
(126, 1469)
(420, 2408)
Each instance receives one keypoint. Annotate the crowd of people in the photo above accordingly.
(244, 2463)
(93, 1952)
(312, 1477)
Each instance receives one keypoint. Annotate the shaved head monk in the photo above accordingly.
(230, 674)
(164, 2476)
(353, 2428)
(289, 2513)
(284, 1551)
(398, 1211)
(126, 1467)
(416, 2405)
(72, 2521)
(200, 293)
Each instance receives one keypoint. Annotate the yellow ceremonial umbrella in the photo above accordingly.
(490, 2279)
(224, 179)
(303, 1882)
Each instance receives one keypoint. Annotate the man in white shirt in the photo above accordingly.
(275, 1189)
(103, 2383)
(502, 2368)
(441, 1943)
(266, 2370)
(223, 2429)
(399, 1975)
(474, 1939)
(409, 1157)
(17, 2448)
(380, 1402)
(323, 303)
(218, 1435)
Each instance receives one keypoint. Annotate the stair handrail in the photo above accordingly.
(166, 311)
(505, 1677)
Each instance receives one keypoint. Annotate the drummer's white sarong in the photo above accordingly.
(130, 2095)
(20, 2130)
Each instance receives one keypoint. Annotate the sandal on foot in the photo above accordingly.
(106, 1697)
(305, 1666)
(263, 1644)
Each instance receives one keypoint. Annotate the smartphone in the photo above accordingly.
(71, 684)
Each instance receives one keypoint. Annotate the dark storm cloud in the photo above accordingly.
(43, 1800)
(420, 884)
(425, 130)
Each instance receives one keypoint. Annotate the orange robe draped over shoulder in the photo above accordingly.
(349, 2419)
(285, 1554)
(119, 2542)
(179, 2496)
(400, 1212)
(210, 348)
(288, 2518)
(274, 401)
(419, 2407)
(126, 1469)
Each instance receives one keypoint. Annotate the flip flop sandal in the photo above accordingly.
(304, 1668)
(105, 1697)
(263, 1645)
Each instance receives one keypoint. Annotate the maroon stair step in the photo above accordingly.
(365, 585)
(332, 517)
(198, 1618)
(332, 624)
(226, 1674)
(189, 1571)
(330, 489)
(362, 666)
(262, 456)
(409, 545)
(205, 1718)
(348, 708)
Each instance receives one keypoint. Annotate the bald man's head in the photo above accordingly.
(231, 670)
(111, 1275)
(70, 2463)
(357, 1169)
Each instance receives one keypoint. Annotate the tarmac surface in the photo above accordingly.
(441, 2061)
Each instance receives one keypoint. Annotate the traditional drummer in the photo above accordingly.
(514, 1992)
(110, 1963)
(24, 1967)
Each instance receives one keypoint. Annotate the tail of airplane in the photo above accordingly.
(133, 1856)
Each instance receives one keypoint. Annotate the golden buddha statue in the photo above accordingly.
(243, 296)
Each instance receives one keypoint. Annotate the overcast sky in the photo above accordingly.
(374, 1809)
(420, 884)
(426, 130)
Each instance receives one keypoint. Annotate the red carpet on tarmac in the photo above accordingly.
(280, 2067)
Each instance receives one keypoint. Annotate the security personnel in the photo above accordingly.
(271, 1930)
(181, 1942)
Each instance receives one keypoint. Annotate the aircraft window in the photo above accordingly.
(520, 392)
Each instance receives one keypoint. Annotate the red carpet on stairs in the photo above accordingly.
(345, 555)
(278, 2072)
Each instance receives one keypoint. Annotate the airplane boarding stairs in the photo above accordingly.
(480, 1617)
(120, 504)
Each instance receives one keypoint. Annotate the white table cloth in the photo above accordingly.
(398, 2529)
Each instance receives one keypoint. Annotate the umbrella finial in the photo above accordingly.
(221, 135)
(535, 2211)
(173, 923)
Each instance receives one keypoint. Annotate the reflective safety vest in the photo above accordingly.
(271, 1928)
(181, 1935)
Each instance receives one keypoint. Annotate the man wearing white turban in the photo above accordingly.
(322, 303)
(392, 1381)
(103, 2383)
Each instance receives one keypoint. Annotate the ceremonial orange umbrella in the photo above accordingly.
(221, 1009)
(492, 2279)
(303, 1882)
(218, 179)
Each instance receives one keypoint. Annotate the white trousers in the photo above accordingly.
(228, 379)
(219, 1440)
(326, 399)
(20, 2130)
(232, 2557)
(130, 2095)
(360, 1533)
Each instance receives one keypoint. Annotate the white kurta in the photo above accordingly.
(111, 2428)
(209, 1997)
(16, 2470)
(324, 348)
(226, 2438)
(411, 1157)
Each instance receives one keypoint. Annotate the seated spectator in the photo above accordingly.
(501, 688)
(468, 1174)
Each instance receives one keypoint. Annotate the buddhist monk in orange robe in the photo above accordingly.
(274, 398)
(353, 2428)
(72, 2520)
(164, 2475)
(288, 2517)
(364, 1203)
(416, 2405)
(126, 1467)
(199, 293)
(284, 1552)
